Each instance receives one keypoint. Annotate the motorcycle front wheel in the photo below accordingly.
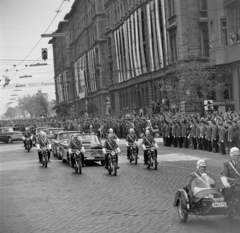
(114, 168)
(136, 158)
(109, 168)
(183, 216)
(79, 167)
(45, 161)
(155, 163)
(149, 163)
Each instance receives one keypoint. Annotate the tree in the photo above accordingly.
(62, 110)
(42, 103)
(11, 113)
(191, 82)
(28, 103)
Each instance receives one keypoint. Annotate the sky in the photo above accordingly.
(21, 24)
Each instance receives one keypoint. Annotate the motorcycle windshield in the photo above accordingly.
(202, 183)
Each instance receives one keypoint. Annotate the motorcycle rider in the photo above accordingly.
(130, 140)
(75, 144)
(231, 168)
(110, 131)
(148, 142)
(109, 145)
(43, 141)
(201, 171)
(27, 134)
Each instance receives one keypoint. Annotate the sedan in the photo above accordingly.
(92, 146)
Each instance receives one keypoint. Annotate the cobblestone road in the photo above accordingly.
(35, 199)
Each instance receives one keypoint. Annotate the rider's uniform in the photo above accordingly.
(148, 141)
(231, 169)
(109, 146)
(43, 142)
(75, 145)
(131, 139)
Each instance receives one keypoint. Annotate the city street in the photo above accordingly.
(55, 199)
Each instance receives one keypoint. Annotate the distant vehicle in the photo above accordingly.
(92, 146)
(52, 132)
(8, 135)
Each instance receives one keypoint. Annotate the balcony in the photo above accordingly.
(203, 16)
(227, 54)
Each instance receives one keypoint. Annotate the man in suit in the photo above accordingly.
(203, 135)
(184, 134)
(230, 134)
(174, 133)
(179, 134)
(193, 135)
(167, 135)
(208, 136)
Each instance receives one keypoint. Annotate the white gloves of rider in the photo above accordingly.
(225, 182)
(38, 146)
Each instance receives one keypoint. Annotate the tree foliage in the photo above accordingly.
(63, 110)
(92, 108)
(11, 112)
(191, 82)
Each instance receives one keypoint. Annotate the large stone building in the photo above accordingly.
(83, 81)
(224, 28)
(116, 51)
(145, 40)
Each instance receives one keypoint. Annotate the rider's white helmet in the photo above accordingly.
(201, 163)
(27, 129)
(147, 132)
(110, 130)
(234, 151)
(131, 130)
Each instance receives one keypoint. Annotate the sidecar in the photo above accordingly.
(202, 199)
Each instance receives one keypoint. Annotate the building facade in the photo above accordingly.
(145, 40)
(116, 52)
(224, 28)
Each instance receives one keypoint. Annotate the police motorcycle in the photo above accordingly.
(44, 157)
(77, 166)
(203, 199)
(133, 156)
(152, 158)
(28, 143)
(112, 162)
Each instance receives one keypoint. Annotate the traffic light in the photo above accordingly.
(208, 105)
(44, 54)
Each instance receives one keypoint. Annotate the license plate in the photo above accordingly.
(219, 204)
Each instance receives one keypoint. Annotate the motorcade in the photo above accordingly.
(205, 198)
(8, 135)
(62, 137)
(36, 133)
(92, 146)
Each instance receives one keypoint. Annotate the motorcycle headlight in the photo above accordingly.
(113, 153)
(44, 149)
(152, 149)
(78, 152)
(27, 139)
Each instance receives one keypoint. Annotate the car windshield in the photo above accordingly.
(40, 129)
(65, 136)
(89, 138)
(53, 131)
(201, 183)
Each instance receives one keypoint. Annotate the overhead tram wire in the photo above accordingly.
(57, 12)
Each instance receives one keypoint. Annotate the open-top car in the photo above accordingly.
(92, 146)
(8, 135)
(52, 132)
(61, 137)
